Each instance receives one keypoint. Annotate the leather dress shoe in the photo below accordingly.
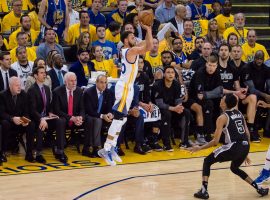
(86, 152)
(29, 157)
(40, 159)
(3, 157)
(138, 149)
(61, 157)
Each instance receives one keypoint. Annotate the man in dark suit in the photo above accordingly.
(13, 106)
(56, 73)
(68, 105)
(178, 20)
(98, 103)
(6, 71)
(82, 68)
(39, 96)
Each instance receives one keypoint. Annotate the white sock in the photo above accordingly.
(267, 160)
(114, 133)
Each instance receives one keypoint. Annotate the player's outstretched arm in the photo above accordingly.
(147, 45)
(220, 123)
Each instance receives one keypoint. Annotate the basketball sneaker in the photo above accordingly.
(201, 194)
(115, 155)
(200, 140)
(264, 176)
(263, 191)
(107, 156)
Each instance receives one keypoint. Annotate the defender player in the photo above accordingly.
(233, 125)
(124, 90)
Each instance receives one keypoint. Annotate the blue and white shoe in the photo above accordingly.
(107, 156)
(115, 155)
(264, 176)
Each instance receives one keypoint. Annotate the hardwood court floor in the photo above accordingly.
(167, 179)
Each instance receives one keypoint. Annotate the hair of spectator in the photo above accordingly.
(13, 80)
(68, 75)
(156, 38)
(188, 20)
(100, 26)
(118, 1)
(3, 54)
(100, 76)
(48, 29)
(35, 70)
(259, 54)
(81, 12)
(176, 39)
(123, 27)
(35, 65)
(124, 35)
(213, 58)
(114, 26)
(130, 18)
(238, 15)
(199, 38)
(232, 34)
(167, 52)
(49, 57)
(80, 39)
(23, 16)
(19, 48)
(178, 8)
(168, 67)
(13, 1)
(227, 1)
(225, 45)
(216, 1)
(237, 46)
(231, 101)
(20, 34)
(250, 31)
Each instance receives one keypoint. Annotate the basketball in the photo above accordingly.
(146, 17)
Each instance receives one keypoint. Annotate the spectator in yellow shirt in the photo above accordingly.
(251, 47)
(100, 64)
(6, 5)
(139, 6)
(22, 39)
(11, 21)
(238, 29)
(187, 37)
(113, 32)
(75, 30)
(154, 57)
(226, 19)
(25, 27)
(35, 23)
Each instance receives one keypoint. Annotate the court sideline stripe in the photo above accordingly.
(149, 175)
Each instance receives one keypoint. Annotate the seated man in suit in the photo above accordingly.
(56, 73)
(39, 96)
(6, 71)
(13, 106)
(82, 68)
(98, 102)
(68, 105)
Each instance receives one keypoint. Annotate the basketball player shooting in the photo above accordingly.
(236, 149)
(124, 90)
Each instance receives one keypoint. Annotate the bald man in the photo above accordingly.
(13, 106)
(180, 16)
(256, 75)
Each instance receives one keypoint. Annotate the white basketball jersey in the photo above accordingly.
(129, 70)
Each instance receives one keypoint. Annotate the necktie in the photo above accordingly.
(43, 94)
(70, 106)
(100, 100)
(14, 99)
(7, 86)
(61, 82)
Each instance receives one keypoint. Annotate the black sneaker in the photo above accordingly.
(201, 195)
(255, 137)
(184, 145)
(40, 159)
(168, 148)
(263, 191)
(120, 152)
(156, 147)
(138, 149)
(146, 148)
